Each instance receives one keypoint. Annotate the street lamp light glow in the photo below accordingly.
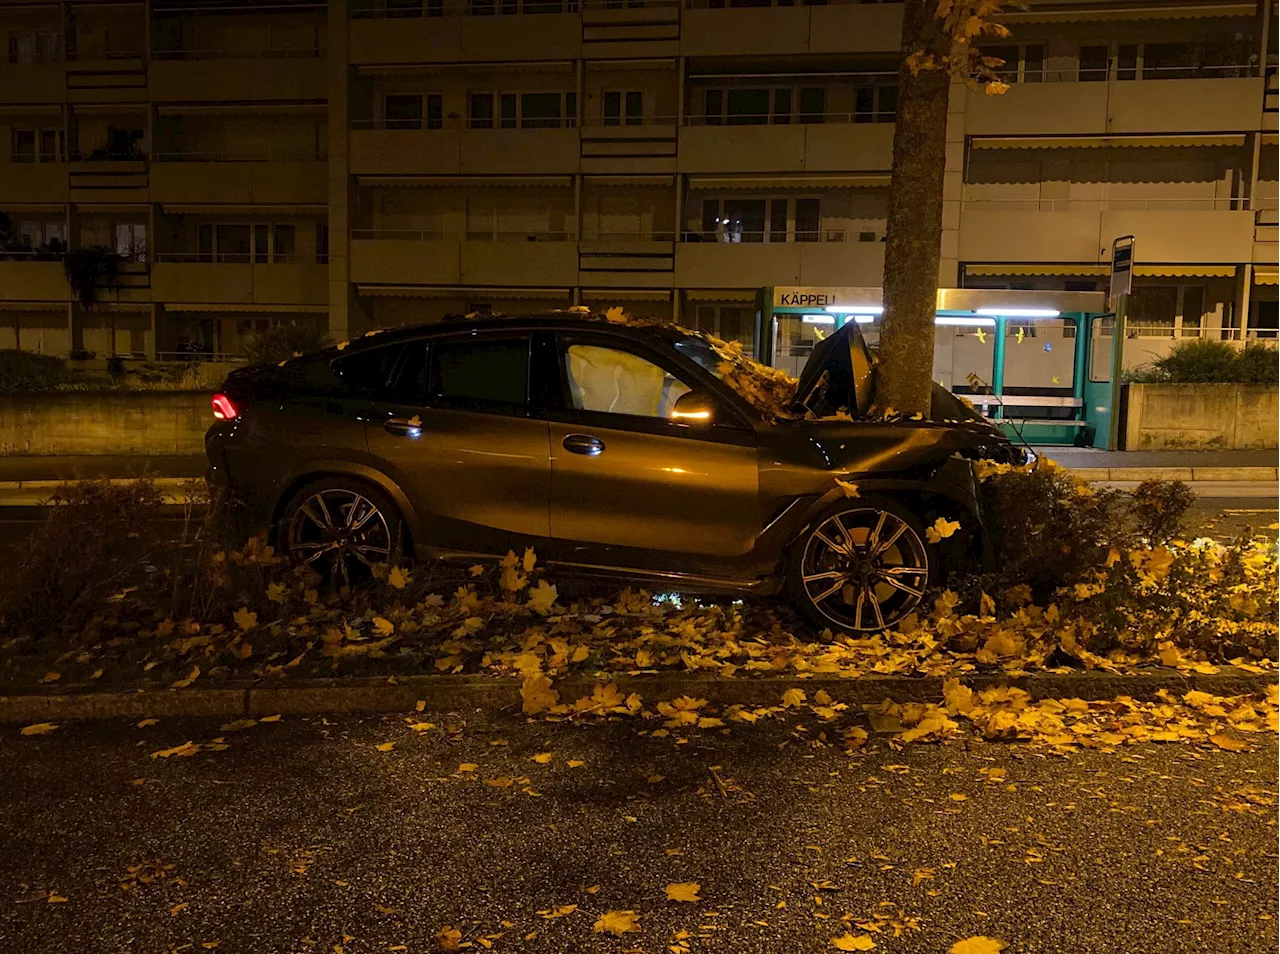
(1020, 312)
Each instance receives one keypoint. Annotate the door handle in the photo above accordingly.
(403, 426)
(584, 444)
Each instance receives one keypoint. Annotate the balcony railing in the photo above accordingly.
(431, 125)
(263, 53)
(798, 236)
(793, 119)
(1087, 74)
(284, 155)
(416, 9)
(1136, 204)
(228, 258)
(471, 235)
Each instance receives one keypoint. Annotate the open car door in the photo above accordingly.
(839, 375)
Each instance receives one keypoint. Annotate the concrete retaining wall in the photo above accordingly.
(1202, 416)
(147, 422)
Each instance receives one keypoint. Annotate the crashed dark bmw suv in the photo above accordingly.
(614, 450)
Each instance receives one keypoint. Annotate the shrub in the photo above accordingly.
(23, 372)
(1258, 364)
(96, 541)
(1050, 529)
(1210, 361)
(283, 342)
(1158, 508)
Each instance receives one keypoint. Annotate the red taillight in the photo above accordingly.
(223, 409)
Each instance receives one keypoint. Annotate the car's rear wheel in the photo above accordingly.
(342, 529)
(861, 566)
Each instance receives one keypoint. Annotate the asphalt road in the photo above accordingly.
(304, 836)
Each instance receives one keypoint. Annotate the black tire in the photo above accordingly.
(834, 580)
(342, 527)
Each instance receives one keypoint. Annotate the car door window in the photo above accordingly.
(476, 373)
(614, 381)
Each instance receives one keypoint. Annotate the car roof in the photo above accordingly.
(548, 321)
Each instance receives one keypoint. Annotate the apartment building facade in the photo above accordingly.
(371, 163)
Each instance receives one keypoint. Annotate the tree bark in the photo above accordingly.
(912, 250)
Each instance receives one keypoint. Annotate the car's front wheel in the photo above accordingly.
(861, 565)
(341, 529)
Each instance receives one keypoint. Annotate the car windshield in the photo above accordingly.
(700, 351)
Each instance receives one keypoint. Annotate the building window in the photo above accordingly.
(284, 243)
(730, 322)
(875, 102)
(622, 107)
(1153, 311)
(131, 241)
(405, 110)
(36, 145)
(523, 110)
(813, 104)
(1208, 58)
(1023, 62)
(35, 46)
(766, 219)
(322, 243)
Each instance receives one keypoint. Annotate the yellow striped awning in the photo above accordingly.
(627, 294)
(1266, 274)
(243, 308)
(1103, 142)
(720, 294)
(1071, 270)
(473, 292)
(1101, 271)
(1077, 12)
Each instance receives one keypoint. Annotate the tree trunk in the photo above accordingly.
(904, 377)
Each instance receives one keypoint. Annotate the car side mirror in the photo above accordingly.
(694, 407)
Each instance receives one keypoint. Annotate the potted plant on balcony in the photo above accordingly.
(88, 269)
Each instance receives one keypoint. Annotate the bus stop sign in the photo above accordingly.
(1121, 267)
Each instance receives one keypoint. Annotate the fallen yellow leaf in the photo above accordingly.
(853, 942)
(40, 728)
(977, 945)
(385, 746)
(617, 922)
(684, 891)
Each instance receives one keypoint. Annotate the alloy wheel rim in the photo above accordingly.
(864, 569)
(341, 534)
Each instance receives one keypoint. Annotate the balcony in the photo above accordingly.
(1215, 104)
(31, 83)
(836, 145)
(33, 182)
(468, 39)
(33, 281)
(614, 260)
(108, 180)
(645, 149)
(429, 258)
(379, 151)
(836, 259)
(115, 78)
(177, 277)
(1200, 236)
(772, 31)
(207, 178)
(211, 76)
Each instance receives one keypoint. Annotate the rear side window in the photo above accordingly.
(475, 372)
(366, 370)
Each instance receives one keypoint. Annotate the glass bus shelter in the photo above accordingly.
(1037, 362)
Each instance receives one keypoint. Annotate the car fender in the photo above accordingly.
(337, 467)
(954, 483)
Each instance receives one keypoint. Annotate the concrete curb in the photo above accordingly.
(315, 696)
(1190, 474)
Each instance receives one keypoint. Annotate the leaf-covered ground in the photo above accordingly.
(436, 831)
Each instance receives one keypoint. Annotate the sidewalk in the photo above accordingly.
(1194, 466)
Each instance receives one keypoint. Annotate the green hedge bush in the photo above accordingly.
(1210, 361)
